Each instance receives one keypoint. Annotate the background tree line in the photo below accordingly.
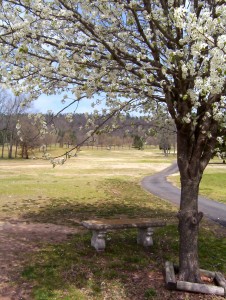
(132, 131)
(21, 130)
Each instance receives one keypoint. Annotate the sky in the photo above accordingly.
(46, 103)
(53, 102)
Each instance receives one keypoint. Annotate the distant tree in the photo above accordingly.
(11, 107)
(70, 138)
(164, 145)
(30, 135)
(138, 142)
(60, 137)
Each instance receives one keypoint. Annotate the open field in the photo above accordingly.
(29, 185)
(45, 255)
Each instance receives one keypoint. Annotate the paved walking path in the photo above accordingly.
(158, 185)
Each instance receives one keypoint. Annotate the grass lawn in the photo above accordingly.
(98, 184)
(213, 184)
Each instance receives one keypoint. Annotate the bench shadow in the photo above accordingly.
(62, 211)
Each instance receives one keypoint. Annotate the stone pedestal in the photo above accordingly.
(144, 236)
(98, 240)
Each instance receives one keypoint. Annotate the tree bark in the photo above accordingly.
(189, 219)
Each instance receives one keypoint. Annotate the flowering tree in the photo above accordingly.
(138, 54)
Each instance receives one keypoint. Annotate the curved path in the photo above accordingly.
(158, 185)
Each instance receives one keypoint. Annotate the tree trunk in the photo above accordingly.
(26, 152)
(189, 219)
(10, 147)
(23, 151)
(3, 147)
(16, 149)
(10, 151)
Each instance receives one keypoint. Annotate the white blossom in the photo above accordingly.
(220, 140)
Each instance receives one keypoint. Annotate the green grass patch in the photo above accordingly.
(213, 183)
(214, 186)
(212, 251)
(150, 293)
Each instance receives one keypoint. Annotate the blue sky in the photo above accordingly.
(45, 103)
(53, 102)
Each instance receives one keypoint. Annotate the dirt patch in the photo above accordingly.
(18, 239)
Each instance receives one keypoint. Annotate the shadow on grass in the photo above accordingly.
(74, 270)
(59, 211)
(123, 199)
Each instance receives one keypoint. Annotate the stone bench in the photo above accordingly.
(101, 226)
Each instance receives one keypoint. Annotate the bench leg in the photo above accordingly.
(144, 236)
(98, 240)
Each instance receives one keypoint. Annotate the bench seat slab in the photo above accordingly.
(121, 223)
